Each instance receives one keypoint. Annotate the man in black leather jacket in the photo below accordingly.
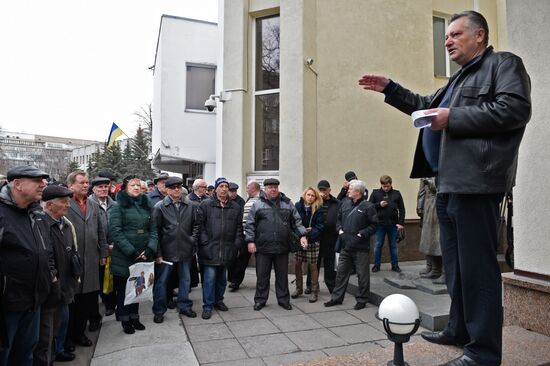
(356, 222)
(471, 148)
(178, 230)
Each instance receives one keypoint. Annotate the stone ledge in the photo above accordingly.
(526, 302)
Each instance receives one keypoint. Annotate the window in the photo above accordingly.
(266, 94)
(201, 80)
(443, 65)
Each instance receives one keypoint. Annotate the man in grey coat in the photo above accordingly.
(85, 215)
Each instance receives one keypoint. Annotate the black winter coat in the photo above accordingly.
(62, 241)
(329, 234)
(394, 212)
(358, 221)
(221, 232)
(316, 223)
(178, 229)
(488, 111)
(26, 259)
(269, 223)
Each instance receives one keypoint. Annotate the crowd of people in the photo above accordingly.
(85, 235)
(56, 240)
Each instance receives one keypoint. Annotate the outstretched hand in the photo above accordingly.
(374, 82)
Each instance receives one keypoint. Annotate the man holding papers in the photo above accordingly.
(471, 148)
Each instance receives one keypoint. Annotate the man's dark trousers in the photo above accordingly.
(349, 260)
(468, 229)
(263, 274)
(236, 272)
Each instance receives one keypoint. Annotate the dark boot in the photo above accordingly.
(314, 282)
(299, 280)
(428, 267)
(441, 280)
(436, 268)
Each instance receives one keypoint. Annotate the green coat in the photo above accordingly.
(133, 231)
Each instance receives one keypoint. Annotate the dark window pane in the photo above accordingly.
(440, 63)
(267, 53)
(200, 85)
(267, 132)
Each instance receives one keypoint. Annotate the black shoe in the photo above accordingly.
(307, 291)
(94, 326)
(440, 338)
(396, 269)
(332, 303)
(188, 313)
(360, 305)
(232, 285)
(286, 306)
(83, 341)
(64, 357)
(375, 268)
(171, 304)
(234, 288)
(220, 306)
(206, 314)
(69, 346)
(258, 306)
(137, 325)
(158, 318)
(462, 361)
(128, 327)
(109, 312)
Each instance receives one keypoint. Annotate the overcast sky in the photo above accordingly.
(72, 67)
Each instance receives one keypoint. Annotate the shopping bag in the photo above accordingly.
(108, 284)
(139, 287)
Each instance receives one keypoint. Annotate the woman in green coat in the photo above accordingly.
(135, 240)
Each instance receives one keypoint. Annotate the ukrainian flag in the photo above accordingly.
(114, 134)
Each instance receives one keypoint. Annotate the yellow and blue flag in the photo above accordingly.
(114, 134)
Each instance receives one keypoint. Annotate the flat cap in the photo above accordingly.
(233, 186)
(100, 180)
(149, 182)
(26, 171)
(173, 181)
(350, 175)
(210, 187)
(55, 191)
(271, 182)
(161, 176)
(323, 184)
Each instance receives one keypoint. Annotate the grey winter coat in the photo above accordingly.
(92, 243)
(429, 237)
(269, 224)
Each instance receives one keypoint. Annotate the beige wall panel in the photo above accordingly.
(357, 130)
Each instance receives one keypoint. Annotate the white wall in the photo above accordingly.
(528, 38)
(179, 133)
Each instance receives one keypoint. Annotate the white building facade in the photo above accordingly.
(185, 74)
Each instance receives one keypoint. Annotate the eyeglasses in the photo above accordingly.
(176, 187)
(203, 186)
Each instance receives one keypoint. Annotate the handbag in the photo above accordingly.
(108, 280)
(400, 235)
(293, 238)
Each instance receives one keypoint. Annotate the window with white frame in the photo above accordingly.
(266, 94)
(443, 65)
(201, 82)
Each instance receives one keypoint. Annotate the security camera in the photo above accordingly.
(210, 104)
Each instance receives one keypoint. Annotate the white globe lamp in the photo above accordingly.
(401, 319)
